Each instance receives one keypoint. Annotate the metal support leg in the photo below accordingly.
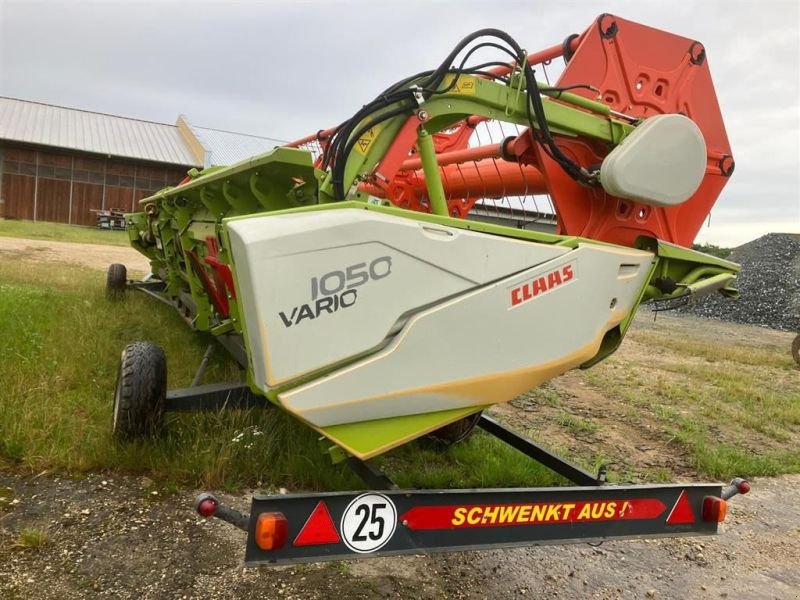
(552, 461)
(203, 364)
(214, 396)
(373, 477)
(433, 179)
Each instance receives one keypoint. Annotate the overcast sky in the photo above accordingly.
(286, 69)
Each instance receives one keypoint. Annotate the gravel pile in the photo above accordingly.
(769, 285)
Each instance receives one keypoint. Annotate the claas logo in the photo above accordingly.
(536, 287)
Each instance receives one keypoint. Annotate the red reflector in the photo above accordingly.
(714, 509)
(271, 531)
(682, 511)
(319, 528)
(207, 508)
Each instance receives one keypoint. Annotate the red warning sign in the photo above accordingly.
(682, 512)
(319, 528)
(498, 515)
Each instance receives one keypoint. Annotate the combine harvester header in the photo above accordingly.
(350, 274)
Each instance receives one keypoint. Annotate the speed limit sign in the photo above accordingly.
(368, 522)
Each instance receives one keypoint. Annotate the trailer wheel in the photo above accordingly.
(796, 349)
(140, 393)
(457, 431)
(116, 281)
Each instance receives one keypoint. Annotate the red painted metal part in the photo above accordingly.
(464, 184)
(457, 156)
(220, 283)
(215, 294)
(641, 72)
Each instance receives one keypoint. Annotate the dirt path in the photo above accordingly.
(94, 256)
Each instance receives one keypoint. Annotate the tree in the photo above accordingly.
(712, 249)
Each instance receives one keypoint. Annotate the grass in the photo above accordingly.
(734, 408)
(576, 425)
(32, 538)
(61, 346)
(61, 233)
(546, 394)
(717, 353)
(6, 497)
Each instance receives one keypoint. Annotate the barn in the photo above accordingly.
(63, 164)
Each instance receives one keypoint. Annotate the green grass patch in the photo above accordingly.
(716, 352)
(32, 538)
(733, 409)
(480, 461)
(6, 497)
(575, 424)
(544, 394)
(62, 341)
(60, 232)
(719, 459)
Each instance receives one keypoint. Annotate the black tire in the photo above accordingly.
(116, 281)
(456, 431)
(796, 349)
(140, 393)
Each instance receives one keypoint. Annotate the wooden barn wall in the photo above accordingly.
(64, 187)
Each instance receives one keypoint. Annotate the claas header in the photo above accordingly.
(389, 277)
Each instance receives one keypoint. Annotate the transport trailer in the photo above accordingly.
(296, 528)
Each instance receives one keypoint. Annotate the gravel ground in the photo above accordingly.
(120, 537)
(769, 285)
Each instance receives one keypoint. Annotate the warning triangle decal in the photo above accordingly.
(682, 511)
(319, 528)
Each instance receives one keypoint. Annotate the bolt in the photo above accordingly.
(422, 115)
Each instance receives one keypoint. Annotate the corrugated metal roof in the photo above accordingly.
(227, 147)
(49, 125)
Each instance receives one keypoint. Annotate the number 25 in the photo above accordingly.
(369, 513)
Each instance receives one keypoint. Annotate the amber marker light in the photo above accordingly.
(714, 509)
(272, 528)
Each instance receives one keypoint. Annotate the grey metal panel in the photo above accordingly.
(48, 125)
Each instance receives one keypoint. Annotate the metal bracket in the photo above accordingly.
(552, 461)
(417, 92)
(214, 396)
(198, 376)
(369, 474)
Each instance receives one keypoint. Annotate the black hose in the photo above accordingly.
(428, 83)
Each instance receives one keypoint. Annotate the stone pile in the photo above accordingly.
(769, 285)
